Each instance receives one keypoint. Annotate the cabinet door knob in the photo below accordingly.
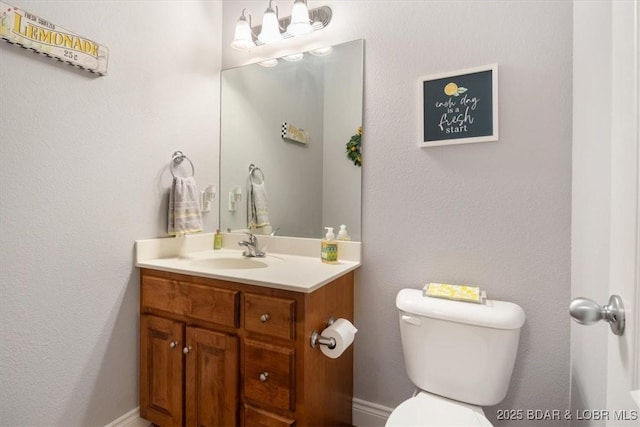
(173, 344)
(265, 317)
(264, 376)
(187, 349)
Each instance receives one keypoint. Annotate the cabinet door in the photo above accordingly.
(161, 373)
(212, 378)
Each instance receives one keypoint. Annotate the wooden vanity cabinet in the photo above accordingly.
(218, 353)
(188, 373)
(204, 361)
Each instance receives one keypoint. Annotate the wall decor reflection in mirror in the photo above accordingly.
(293, 121)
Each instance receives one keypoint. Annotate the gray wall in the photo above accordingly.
(495, 214)
(75, 193)
(83, 174)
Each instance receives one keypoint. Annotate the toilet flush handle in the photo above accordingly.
(411, 320)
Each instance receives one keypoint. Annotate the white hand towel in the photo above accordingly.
(184, 207)
(258, 206)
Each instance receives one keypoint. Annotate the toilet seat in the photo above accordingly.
(426, 410)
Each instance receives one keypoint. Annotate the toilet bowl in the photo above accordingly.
(459, 355)
(429, 410)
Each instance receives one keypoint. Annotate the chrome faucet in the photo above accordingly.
(251, 247)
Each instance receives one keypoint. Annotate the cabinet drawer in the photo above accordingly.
(269, 374)
(254, 417)
(198, 302)
(269, 315)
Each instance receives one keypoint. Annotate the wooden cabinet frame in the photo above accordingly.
(223, 324)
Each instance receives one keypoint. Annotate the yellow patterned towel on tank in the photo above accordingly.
(464, 293)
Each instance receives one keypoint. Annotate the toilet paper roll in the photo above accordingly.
(343, 332)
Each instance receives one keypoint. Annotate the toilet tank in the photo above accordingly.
(459, 350)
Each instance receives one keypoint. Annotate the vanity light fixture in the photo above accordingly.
(302, 21)
(243, 38)
(270, 31)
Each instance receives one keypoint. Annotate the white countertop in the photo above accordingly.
(291, 263)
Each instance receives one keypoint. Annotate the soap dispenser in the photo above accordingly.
(342, 234)
(329, 252)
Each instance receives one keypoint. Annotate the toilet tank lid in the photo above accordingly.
(493, 314)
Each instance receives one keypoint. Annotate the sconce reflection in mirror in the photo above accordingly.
(302, 21)
(235, 196)
(206, 198)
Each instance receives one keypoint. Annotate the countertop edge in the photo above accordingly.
(348, 266)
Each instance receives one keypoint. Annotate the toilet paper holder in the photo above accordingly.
(317, 339)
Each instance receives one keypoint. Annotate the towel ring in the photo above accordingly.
(176, 159)
(253, 169)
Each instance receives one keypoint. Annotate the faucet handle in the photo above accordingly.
(252, 238)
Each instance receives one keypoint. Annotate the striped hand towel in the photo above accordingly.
(184, 207)
(258, 208)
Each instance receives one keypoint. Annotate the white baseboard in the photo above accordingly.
(365, 414)
(369, 414)
(130, 419)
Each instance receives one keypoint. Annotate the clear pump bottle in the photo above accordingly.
(342, 234)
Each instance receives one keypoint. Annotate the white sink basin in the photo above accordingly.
(229, 263)
(228, 260)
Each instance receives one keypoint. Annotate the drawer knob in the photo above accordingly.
(187, 349)
(173, 344)
(265, 317)
(264, 376)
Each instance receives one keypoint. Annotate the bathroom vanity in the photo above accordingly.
(225, 340)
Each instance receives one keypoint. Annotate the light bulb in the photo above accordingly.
(270, 27)
(242, 39)
(300, 22)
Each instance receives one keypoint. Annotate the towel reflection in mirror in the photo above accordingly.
(257, 203)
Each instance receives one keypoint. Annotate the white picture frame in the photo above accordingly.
(458, 107)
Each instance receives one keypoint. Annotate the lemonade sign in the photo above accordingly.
(460, 107)
(41, 36)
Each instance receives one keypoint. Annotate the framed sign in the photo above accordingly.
(22, 28)
(459, 107)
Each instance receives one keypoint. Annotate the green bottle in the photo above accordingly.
(217, 240)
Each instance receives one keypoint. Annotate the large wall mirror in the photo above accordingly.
(308, 184)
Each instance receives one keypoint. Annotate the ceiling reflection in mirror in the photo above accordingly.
(284, 168)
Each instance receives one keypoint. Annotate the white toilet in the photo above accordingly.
(459, 355)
